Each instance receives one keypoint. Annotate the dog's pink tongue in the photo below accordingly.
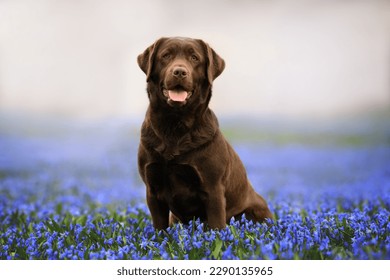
(177, 95)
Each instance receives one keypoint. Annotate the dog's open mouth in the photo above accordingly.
(178, 94)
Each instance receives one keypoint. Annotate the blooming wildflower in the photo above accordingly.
(328, 202)
(108, 241)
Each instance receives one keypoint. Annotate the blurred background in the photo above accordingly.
(287, 59)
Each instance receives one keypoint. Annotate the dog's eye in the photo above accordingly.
(166, 56)
(194, 58)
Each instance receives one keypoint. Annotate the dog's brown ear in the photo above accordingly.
(145, 59)
(215, 64)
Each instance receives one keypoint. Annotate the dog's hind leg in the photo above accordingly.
(258, 210)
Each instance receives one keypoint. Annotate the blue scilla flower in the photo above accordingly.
(268, 251)
(120, 255)
(324, 245)
(226, 234)
(164, 255)
(228, 253)
(210, 236)
(197, 244)
(94, 255)
(119, 240)
(5, 248)
(80, 254)
(247, 243)
(144, 244)
(78, 229)
(285, 244)
(109, 241)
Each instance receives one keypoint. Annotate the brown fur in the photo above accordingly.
(189, 169)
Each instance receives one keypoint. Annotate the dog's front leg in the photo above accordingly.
(159, 211)
(216, 210)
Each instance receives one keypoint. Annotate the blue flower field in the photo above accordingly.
(70, 190)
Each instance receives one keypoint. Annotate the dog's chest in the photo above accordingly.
(173, 138)
(177, 184)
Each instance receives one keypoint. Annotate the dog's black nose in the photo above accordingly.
(180, 72)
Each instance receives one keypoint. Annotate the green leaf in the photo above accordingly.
(81, 220)
(218, 243)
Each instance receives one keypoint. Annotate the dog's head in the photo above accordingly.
(180, 71)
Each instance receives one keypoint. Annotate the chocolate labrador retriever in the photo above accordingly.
(189, 169)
